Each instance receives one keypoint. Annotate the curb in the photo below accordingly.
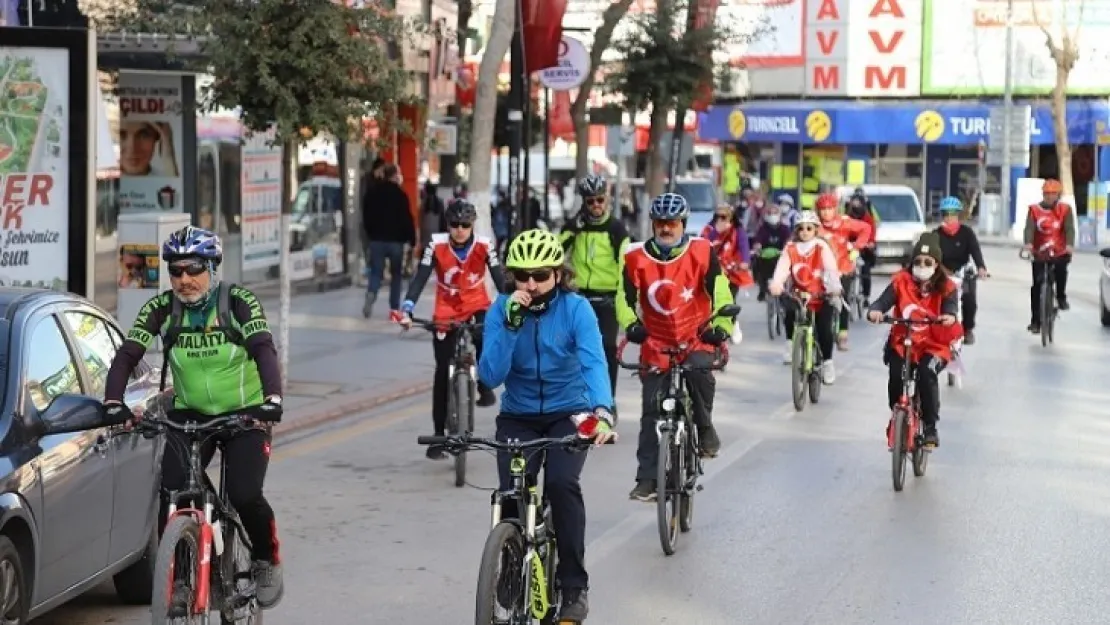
(347, 408)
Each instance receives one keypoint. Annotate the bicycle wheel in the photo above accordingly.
(772, 317)
(814, 375)
(550, 565)
(920, 454)
(1047, 313)
(898, 450)
(238, 603)
(798, 368)
(667, 483)
(463, 419)
(779, 319)
(177, 574)
(502, 581)
(689, 482)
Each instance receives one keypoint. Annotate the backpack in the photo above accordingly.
(228, 325)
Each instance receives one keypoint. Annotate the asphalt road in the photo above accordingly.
(797, 523)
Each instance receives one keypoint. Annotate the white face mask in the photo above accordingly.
(805, 247)
(923, 273)
(772, 220)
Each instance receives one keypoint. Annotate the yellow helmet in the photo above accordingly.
(534, 249)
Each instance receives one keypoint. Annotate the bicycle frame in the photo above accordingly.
(806, 322)
(525, 490)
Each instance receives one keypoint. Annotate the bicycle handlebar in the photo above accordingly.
(158, 424)
(434, 326)
(720, 358)
(465, 441)
(1032, 256)
(896, 321)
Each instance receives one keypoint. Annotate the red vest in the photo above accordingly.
(1048, 229)
(727, 247)
(460, 285)
(911, 303)
(673, 301)
(807, 273)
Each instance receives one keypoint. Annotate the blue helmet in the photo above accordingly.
(191, 242)
(951, 204)
(669, 206)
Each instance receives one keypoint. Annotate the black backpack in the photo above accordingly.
(228, 325)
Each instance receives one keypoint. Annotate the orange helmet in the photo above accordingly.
(827, 200)
(1052, 186)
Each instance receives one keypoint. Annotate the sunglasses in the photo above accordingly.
(193, 269)
(460, 224)
(539, 275)
(667, 223)
(721, 217)
(806, 229)
(924, 262)
(596, 200)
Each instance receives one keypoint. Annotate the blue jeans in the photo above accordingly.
(379, 252)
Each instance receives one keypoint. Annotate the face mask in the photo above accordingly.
(922, 274)
(950, 227)
(772, 220)
(541, 302)
(805, 247)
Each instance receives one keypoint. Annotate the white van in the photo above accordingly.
(901, 219)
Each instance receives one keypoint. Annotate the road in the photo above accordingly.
(797, 523)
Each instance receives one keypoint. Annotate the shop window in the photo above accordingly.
(823, 169)
(885, 151)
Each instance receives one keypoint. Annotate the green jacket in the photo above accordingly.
(596, 253)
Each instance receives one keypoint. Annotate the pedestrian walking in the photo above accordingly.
(388, 224)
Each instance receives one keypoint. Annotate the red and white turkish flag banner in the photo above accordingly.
(562, 124)
(542, 22)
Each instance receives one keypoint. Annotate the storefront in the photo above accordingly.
(930, 146)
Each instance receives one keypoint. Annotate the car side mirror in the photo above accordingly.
(69, 413)
(1104, 252)
(729, 311)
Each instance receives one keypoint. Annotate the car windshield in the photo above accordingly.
(700, 197)
(895, 208)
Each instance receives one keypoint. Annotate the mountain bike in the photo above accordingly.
(188, 580)
(463, 376)
(805, 359)
(516, 578)
(1048, 291)
(906, 431)
(680, 461)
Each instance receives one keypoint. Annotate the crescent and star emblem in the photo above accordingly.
(653, 296)
(907, 314)
(802, 273)
(1041, 224)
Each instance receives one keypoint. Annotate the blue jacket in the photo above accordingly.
(553, 364)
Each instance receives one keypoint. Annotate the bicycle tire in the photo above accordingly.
(898, 450)
(797, 369)
(920, 455)
(1046, 312)
(772, 317)
(182, 529)
(464, 405)
(666, 497)
(690, 482)
(780, 320)
(815, 380)
(550, 565)
(235, 561)
(504, 534)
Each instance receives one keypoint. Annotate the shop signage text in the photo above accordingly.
(783, 125)
(885, 58)
(981, 127)
(827, 50)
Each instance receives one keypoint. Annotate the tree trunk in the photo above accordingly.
(602, 38)
(655, 175)
(485, 110)
(1060, 127)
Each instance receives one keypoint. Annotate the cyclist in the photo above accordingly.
(845, 235)
(677, 282)
(460, 260)
(786, 207)
(923, 292)
(770, 238)
(595, 242)
(544, 346)
(958, 245)
(237, 371)
(860, 208)
(809, 263)
(1050, 236)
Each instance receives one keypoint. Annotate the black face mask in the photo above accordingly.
(540, 303)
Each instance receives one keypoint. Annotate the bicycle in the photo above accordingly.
(463, 382)
(963, 279)
(200, 522)
(680, 462)
(853, 299)
(776, 318)
(806, 360)
(527, 543)
(906, 430)
(1047, 295)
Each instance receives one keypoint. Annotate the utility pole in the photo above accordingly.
(517, 97)
(289, 156)
(1007, 131)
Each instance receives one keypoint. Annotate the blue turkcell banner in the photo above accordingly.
(942, 123)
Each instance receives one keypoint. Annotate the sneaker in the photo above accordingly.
(969, 337)
(269, 583)
(486, 397)
(708, 441)
(788, 355)
(828, 373)
(737, 333)
(575, 606)
(435, 452)
(644, 491)
(368, 304)
(1062, 303)
(842, 341)
(931, 438)
(1034, 328)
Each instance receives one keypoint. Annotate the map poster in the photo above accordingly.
(138, 266)
(34, 166)
(150, 136)
(261, 201)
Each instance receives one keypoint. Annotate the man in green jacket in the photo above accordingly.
(595, 243)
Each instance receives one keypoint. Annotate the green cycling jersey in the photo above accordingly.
(596, 252)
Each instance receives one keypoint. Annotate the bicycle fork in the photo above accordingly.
(536, 583)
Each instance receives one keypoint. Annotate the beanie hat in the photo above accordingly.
(928, 245)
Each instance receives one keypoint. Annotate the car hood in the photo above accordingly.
(899, 231)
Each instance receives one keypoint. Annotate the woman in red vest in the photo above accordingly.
(730, 242)
(923, 292)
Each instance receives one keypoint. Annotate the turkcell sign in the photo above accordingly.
(776, 125)
(980, 127)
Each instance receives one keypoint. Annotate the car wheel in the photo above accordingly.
(14, 603)
(135, 584)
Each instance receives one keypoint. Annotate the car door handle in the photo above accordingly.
(101, 445)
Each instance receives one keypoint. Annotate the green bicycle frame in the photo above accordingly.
(805, 326)
(539, 602)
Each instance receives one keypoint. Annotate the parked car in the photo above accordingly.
(1104, 288)
(79, 502)
(901, 219)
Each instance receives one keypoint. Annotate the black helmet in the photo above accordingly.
(461, 211)
(592, 185)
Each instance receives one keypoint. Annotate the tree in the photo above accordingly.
(1064, 49)
(602, 38)
(501, 126)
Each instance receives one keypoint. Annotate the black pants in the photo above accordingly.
(762, 270)
(927, 371)
(562, 487)
(1059, 269)
(868, 256)
(703, 387)
(823, 325)
(969, 304)
(606, 312)
(444, 351)
(846, 285)
(247, 455)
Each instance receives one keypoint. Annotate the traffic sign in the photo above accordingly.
(574, 66)
(1020, 130)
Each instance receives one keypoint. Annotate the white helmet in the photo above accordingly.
(785, 200)
(808, 217)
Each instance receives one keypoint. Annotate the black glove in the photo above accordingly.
(514, 314)
(713, 335)
(270, 411)
(116, 414)
(636, 333)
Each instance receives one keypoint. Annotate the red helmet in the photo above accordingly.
(827, 200)
(1052, 186)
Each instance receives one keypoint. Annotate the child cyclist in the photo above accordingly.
(809, 264)
(460, 261)
(770, 238)
(730, 242)
(920, 292)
